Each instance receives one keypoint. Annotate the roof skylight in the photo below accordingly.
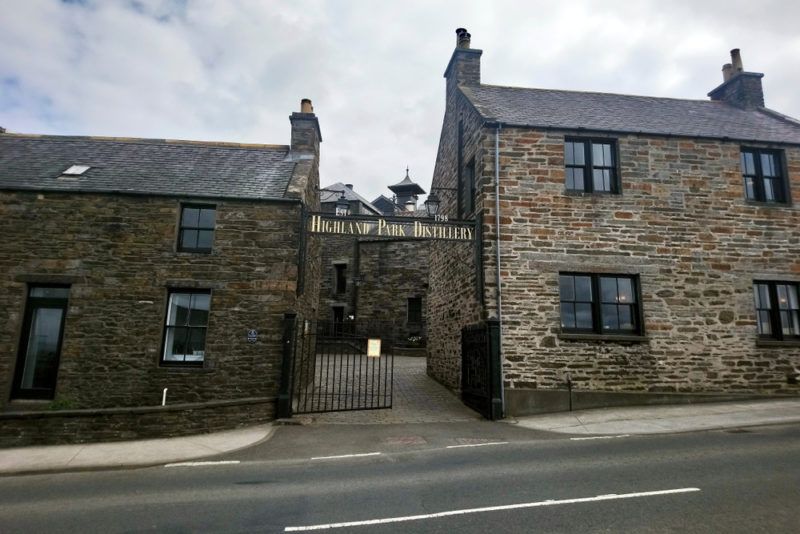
(76, 170)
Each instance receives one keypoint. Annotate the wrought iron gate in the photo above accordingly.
(335, 366)
(480, 369)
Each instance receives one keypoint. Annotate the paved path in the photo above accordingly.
(666, 419)
(417, 399)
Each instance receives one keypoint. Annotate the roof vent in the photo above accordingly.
(76, 170)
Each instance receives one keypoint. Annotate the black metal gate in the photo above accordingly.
(481, 382)
(335, 366)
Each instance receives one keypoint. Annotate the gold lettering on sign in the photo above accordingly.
(320, 224)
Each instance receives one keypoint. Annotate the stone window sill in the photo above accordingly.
(206, 368)
(612, 338)
(777, 343)
(765, 204)
(577, 193)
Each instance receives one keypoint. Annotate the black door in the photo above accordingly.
(40, 343)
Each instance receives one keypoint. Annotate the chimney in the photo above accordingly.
(349, 186)
(306, 135)
(462, 38)
(465, 63)
(739, 88)
(727, 72)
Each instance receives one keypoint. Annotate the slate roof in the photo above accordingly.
(630, 114)
(332, 193)
(149, 166)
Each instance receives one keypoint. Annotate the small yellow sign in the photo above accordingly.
(373, 348)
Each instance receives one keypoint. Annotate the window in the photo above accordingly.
(468, 190)
(340, 284)
(415, 310)
(777, 310)
(590, 166)
(763, 175)
(599, 304)
(40, 345)
(197, 228)
(185, 331)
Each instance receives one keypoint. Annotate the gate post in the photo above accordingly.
(495, 376)
(287, 342)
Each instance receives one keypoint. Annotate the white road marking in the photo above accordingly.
(477, 444)
(601, 437)
(549, 502)
(345, 456)
(195, 464)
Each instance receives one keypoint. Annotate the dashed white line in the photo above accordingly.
(477, 444)
(601, 437)
(549, 502)
(345, 456)
(195, 464)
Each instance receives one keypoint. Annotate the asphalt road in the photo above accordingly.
(717, 481)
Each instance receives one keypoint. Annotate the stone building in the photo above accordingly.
(378, 280)
(142, 272)
(647, 247)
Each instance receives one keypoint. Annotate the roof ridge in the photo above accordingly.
(594, 93)
(143, 141)
(780, 116)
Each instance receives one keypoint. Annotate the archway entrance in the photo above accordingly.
(347, 362)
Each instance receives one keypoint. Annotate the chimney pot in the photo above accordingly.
(462, 38)
(736, 60)
(305, 106)
(727, 72)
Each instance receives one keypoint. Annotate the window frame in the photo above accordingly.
(163, 362)
(776, 334)
(198, 228)
(637, 311)
(31, 305)
(588, 166)
(758, 177)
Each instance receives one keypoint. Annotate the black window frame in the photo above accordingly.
(781, 192)
(774, 312)
(198, 228)
(589, 166)
(597, 304)
(31, 304)
(184, 363)
(417, 318)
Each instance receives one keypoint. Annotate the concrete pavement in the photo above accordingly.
(665, 419)
(139, 453)
(600, 422)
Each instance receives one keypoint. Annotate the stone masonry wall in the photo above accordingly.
(391, 272)
(453, 301)
(119, 255)
(683, 226)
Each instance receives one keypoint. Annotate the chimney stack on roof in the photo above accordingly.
(349, 186)
(306, 135)
(739, 88)
(464, 67)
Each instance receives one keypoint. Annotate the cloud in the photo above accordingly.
(235, 70)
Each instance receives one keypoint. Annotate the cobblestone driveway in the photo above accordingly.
(417, 399)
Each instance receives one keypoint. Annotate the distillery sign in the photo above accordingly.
(413, 228)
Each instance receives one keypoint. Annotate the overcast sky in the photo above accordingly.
(234, 70)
